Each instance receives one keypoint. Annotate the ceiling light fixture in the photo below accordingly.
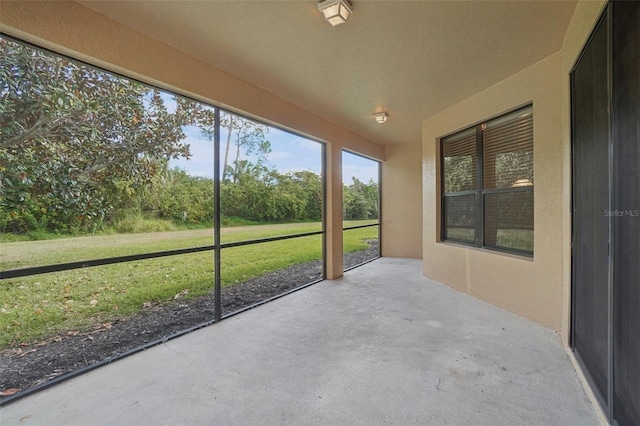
(381, 117)
(336, 12)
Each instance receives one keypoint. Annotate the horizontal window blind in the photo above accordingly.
(487, 184)
(460, 162)
(507, 149)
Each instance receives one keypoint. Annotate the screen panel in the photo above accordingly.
(590, 144)
(361, 209)
(508, 220)
(626, 212)
(460, 218)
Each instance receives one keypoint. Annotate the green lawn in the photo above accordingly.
(521, 239)
(34, 307)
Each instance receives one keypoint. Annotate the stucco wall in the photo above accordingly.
(401, 203)
(540, 288)
(528, 287)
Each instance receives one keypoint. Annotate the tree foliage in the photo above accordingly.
(81, 149)
(74, 136)
(360, 200)
(265, 195)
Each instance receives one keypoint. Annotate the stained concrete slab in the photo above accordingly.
(383, 345)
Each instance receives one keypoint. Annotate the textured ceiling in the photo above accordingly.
(409, 58)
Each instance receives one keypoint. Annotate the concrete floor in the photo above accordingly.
(383, 345)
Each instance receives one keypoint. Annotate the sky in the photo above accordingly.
(289, 153)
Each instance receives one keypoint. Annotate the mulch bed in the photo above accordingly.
(29, 365)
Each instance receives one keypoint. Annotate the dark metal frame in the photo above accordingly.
(610, 302)
(83, 370)
(379, 244)
(606, 401)
(479, 192)
(217, 247)
(379, 223)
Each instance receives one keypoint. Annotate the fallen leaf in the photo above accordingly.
(9, 392)
(27, 352)
(94, 302)
(146, 305)
(181, 294)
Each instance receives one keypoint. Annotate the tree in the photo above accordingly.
(181, 198)
(263, 194)
(246, 134)
(311, 188)
(360, 200)
(249, 197)
(73, 136)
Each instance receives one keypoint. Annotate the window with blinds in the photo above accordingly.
(460, 165)
(487, 184)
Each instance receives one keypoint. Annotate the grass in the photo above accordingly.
(32, 308)
(520, 239)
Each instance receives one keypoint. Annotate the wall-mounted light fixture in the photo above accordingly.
(336, 12)
(381, 117)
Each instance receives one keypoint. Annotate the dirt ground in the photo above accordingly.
(32, 364)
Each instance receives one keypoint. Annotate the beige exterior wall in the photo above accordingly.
(401, 202)
(538, 288)
(528, 287)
